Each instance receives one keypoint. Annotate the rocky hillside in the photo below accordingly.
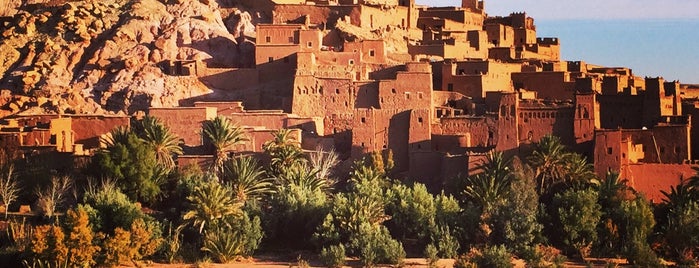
(107, 56)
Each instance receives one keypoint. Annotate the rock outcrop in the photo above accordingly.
(109, 56)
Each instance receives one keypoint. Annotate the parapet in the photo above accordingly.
(418, 67)
(547, 41)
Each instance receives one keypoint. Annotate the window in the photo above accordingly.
(351, 62)
(337, 91)
(393, 90)
(291, 39)
(407, 96)
(450, 87)
(609, 150)
(363, 120)
(419, 119)
(268, 39)
(419, 95)
(271, 59)
(372, 53)
(310, 44)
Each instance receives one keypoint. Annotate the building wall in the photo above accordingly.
(537, 122)
(185, 122)
(500, 35)
(372, 51)
(321, 97)
(87, 130)
(691, 109)
(317, 14)
(407, 91)
(223, 108)
(651, 179)
(476, 78)
(625, 111)
(548, 85)
(468, 19)
(586, 121)
(608, 152)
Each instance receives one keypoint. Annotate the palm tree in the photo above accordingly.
(164, 143)
(548, 161)
(303, 176)
(118, 135)
(284, 150)
(211, 204)
(611, 188)
(246, 178)
(490, 186)
(224, 136)
(680, 225)
(578, 172)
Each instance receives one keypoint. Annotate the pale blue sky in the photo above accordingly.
(654, 38)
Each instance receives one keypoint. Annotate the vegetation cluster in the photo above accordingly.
(130, 203)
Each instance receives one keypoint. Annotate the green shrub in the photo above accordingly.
(543, 256)
(375, 245)
(108, 208)
(132, 163)
(493, 256)
(431, 255)
(463, 261)
(295, 214)
(447, 244)
(333, 256)
(576, 216)
(232, 238)
(412, 211)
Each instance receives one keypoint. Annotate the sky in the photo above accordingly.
(653, 38)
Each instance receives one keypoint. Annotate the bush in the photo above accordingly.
(494, 256)
(638, 223)
(80, 239)
(543, 256)
(431, 255)
(412, 212)
(239, 237)
(108, 208)
(463, 261)
(375, 245)
(296, 213)
(48, 244)
(576, 216)
(333, 256)
(447, 245)
(133, 164)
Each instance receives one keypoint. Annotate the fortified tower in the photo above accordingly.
(477, 6)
